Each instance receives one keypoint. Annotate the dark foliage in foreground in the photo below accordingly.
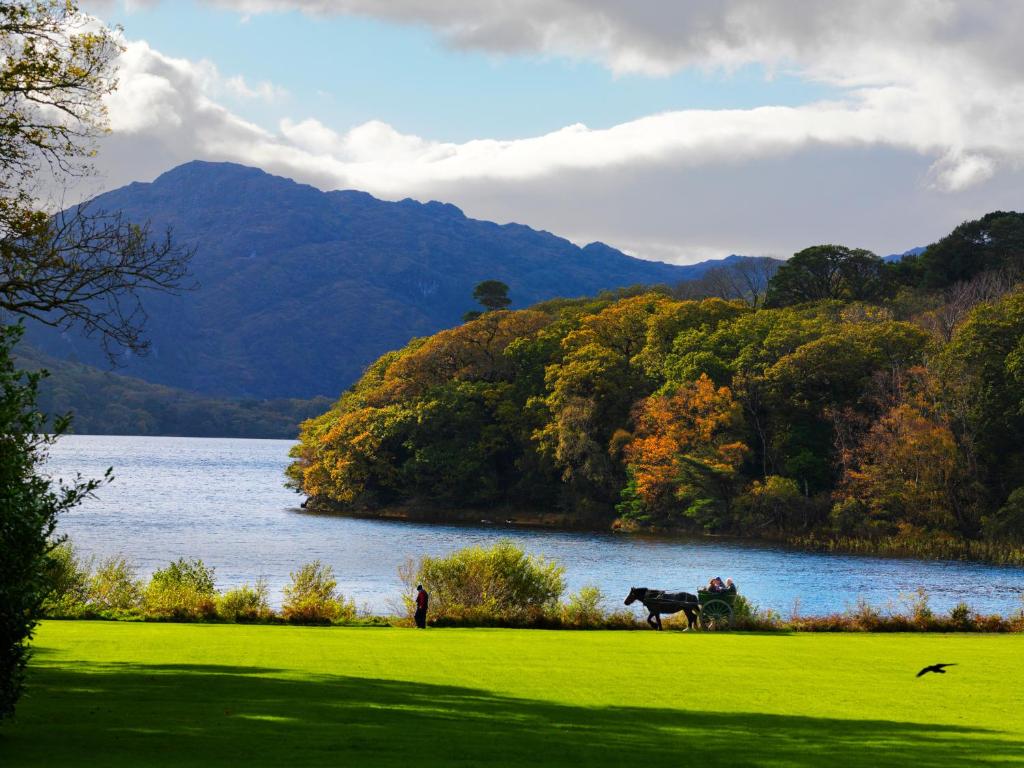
(29, 505)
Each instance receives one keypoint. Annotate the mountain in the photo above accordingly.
(105, 403)
(894, 257)
(300, 289)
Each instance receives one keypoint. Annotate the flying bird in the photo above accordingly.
(938, 669)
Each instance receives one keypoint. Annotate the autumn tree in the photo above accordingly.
(823, 375)
(674, 320)
(472, 351)
(906, 475)
(590, 393)
(684, 457)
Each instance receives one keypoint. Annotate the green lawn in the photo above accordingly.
(112, 694)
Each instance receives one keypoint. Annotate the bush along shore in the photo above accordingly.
(499, 586)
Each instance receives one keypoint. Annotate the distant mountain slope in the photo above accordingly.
(893, 257)
(301, 289)
(105, 403)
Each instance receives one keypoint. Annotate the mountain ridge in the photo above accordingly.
(300, 289)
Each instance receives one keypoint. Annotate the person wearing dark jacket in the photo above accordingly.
(422, 599)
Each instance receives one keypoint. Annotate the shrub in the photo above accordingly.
(114, 588)
(182, 590)
(497, 585)
(67, 580)
(311, 598)
(746, 615)
(961, 616)
(921, 613)
(864, 616)
(584, 608)
(245, 603)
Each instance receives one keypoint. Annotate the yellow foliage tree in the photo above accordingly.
(684, 456)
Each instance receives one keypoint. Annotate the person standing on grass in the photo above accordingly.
(422, 599)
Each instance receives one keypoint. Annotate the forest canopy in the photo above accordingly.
(861, 399)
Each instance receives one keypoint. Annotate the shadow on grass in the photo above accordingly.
(121, 714)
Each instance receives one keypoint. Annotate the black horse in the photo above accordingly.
(657, 602)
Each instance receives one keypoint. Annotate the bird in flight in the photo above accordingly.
(938, 669)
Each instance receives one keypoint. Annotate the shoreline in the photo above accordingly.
(988, 553)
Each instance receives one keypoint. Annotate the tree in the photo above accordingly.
(590, 392)
(993, 242)
(684, 457)
(743, 278)
(81, 267)
(29, 506)
(982, 369)
(907, 474)
(491, 295)
(827, 272)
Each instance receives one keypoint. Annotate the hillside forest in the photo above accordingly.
(106, 403)
(843, 397)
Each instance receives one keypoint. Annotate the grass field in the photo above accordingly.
(116, 694)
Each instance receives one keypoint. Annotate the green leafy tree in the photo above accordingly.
(983, 380)
(79, 268)
(993, 242)
(827, 272)
(1008, 521)
(590, 393)
(491, 295)
(29, 506)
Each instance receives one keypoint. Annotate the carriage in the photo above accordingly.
(715, 608)
(710, 609)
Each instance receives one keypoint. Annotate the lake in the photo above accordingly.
(223, 500)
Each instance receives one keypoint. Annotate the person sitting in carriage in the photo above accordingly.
(716, 585)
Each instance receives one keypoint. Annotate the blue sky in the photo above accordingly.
(673, 129)
(347, 70)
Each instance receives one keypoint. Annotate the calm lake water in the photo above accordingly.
(223, 500)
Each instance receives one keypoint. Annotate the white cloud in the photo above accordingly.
(264, 90)
(931, 85)
(957, 62)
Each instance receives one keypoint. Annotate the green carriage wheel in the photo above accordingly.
(715, 614)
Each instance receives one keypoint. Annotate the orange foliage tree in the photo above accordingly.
(906, 475)
(684, 456)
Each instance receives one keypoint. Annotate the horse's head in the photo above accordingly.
(635, 593)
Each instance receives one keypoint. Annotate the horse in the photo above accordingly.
(657, 602)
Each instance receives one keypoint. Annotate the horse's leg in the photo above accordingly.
(690, 618)
(657, 618)
(650, 620)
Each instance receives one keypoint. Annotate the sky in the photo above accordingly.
(676, 130)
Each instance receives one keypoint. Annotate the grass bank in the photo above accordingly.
(206, 694)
